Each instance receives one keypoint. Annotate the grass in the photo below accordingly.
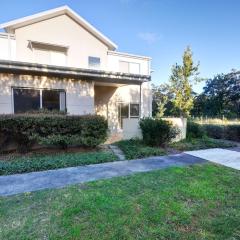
(201, 143)
(198, 202)
(45, 162)
(137, 149)
(134, 149)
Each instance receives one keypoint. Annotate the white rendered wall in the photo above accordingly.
(79, 94)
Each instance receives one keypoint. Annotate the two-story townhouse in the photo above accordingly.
(57, 60)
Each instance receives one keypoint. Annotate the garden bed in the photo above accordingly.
(40, 162)
(137, 149)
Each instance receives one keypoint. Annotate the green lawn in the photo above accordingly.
(43, 162)
(137, 149)
(199, 202)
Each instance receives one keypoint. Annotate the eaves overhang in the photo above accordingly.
(25, 68)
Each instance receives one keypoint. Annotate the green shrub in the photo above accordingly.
(45, 111)
(216, 131)
(157, 132)
(195, 130)
(60, 130)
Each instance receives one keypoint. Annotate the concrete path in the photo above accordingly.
(229, 158)
(20, 183)
(118, 152)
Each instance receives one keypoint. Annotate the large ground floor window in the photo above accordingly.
(27, 99)
(128, 110)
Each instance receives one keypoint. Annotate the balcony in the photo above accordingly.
(129, 63)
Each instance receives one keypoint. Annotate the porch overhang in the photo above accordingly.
(25, 68)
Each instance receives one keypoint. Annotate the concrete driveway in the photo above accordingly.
(226, 157)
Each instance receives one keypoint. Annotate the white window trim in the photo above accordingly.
(129, 108)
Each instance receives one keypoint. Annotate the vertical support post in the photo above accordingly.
(140, 100)
(41, 105)
(9, 47)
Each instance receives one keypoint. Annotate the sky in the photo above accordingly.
(161, 29)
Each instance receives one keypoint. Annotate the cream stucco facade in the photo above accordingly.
(30, 54)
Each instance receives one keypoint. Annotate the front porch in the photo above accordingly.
(120, 104)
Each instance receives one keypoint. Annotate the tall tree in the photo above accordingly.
(181, 80)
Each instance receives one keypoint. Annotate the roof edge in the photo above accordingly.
(97, 75)
(14, 24)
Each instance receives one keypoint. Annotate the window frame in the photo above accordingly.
(129, 111)
(94, 66)
(132, 116)
(40, 96)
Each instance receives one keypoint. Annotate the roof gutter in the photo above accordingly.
(17, 67)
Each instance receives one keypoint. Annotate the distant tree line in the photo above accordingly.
(220, 97)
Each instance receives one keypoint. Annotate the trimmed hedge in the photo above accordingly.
(157, 132)
(217, 131)
(54, 130)
(229, 132)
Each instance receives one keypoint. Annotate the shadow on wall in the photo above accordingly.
(105, 105)
(107, 99)
(76, 90)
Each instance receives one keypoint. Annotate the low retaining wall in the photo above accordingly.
(181, 124)
(131, 128)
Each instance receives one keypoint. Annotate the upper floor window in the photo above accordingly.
(50, 54)
(94, 62)
(129, 67)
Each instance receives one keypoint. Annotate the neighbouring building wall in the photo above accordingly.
(63, 31)
(79, 94)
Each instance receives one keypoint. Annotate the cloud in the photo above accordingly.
(149, 37)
